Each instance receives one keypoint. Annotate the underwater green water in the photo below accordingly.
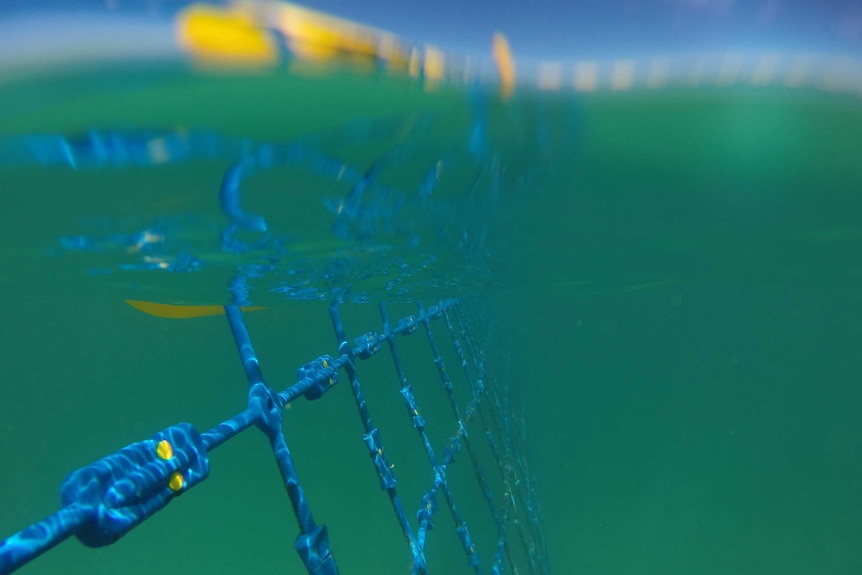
(674, 274)
(689, 332)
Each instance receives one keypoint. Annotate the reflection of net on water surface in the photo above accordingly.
(414, 215)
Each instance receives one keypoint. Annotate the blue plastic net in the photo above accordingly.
(391, 210)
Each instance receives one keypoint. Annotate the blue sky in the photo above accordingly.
(563, 30)
(572, 29)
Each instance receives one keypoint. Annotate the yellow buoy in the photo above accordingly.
(171, 311)
(227, 36)
(505, 64)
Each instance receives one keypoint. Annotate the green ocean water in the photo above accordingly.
(674, 276)
(695, 311)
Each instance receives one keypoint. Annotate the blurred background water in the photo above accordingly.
(662, 222)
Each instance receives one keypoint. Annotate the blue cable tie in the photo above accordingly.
(323, 372)
(384, 470)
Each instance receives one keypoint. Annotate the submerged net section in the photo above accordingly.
(392, 211)
(104, 500)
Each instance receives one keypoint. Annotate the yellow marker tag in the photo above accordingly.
(176, 481)
(164, 449)
(171, 311)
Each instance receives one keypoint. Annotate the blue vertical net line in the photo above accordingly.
(106, 499)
